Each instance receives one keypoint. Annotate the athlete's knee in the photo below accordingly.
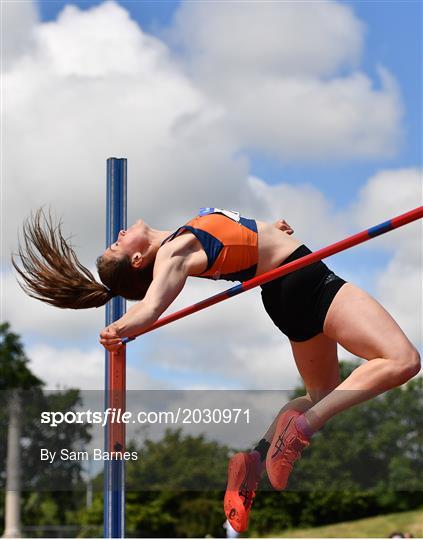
(413, 362)
(314, 396)
(407, 363)
(300, 404)
(317, 394)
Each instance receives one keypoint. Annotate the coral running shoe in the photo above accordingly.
(286, 447)
(243, 479)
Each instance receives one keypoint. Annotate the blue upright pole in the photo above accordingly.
(115, 365)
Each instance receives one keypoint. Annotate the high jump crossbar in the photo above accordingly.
(342, 245)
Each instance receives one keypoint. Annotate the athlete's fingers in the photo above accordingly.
(287, 227)
(111, 345)
(109, 332)
(109, 341)
(109, 335)
(110, 338)
(284, 226)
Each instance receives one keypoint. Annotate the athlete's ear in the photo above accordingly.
(137, 260)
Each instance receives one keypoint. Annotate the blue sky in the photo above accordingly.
(353, 186)
(393, 38)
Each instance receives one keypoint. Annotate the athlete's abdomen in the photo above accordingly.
(274, 246)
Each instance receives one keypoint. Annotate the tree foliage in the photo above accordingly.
(50, 494)
(366, 461)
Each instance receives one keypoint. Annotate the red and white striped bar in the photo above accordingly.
(342, 245)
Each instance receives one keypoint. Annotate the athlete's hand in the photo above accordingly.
(110, 338)
(282, 225)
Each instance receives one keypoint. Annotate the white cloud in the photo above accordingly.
(267, 37)
(399, 286)
(308, 210)
(43, 322)
(69, 106)
(399, 289)
(76, 368)
(67, 368)
(313, 119)
(18, 23)
(387, 194)
(114, 44)
(284, 94)
(92, 84)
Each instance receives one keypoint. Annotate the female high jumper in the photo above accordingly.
(313, 307)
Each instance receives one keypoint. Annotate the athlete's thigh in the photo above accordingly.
(362, 326)
(317, 362)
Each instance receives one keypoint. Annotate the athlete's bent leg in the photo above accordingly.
(317, 362)
(362, 326)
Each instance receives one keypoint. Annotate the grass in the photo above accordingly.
(374, 527)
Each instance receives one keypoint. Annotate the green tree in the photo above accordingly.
(41, 505)
(15, 376)
(14, 371)
(360, 464)
(165, 494)
(179, 466)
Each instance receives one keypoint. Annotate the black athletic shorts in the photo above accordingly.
(298, 302)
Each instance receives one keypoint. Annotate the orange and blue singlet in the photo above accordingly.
(297, 303)
(229, 240)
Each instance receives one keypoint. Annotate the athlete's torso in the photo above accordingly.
(224, 245)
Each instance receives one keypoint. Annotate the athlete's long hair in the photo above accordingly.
(51, 272)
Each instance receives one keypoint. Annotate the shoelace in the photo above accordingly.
(248, 496)
(280, 443)
(247, 493)
(293, 450)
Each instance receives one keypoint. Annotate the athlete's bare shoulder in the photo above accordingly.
(187, 246)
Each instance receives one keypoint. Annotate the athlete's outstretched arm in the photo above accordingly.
(170, 274)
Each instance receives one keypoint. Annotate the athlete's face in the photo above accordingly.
(130, 241)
